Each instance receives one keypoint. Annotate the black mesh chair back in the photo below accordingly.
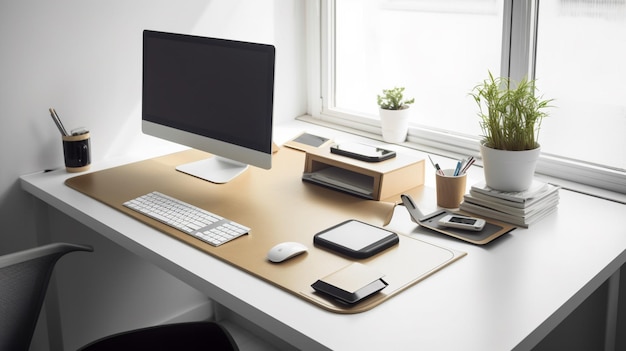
(24, 278)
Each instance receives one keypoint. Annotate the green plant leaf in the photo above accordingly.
(510, 114)
(393, 99)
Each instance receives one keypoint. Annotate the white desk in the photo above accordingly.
(507, 295)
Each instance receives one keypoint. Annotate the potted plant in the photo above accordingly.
(394, 114)
(510, 118)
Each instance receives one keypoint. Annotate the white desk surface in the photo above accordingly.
(506, 295)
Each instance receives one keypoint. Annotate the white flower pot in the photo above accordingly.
(509, 170)
(395, 124)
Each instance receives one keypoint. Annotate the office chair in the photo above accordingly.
(24, 278)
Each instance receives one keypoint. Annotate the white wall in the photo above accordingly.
(83, 57)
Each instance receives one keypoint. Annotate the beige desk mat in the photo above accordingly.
(279, 207)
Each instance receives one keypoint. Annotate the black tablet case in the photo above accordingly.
(351, 284)
(369, 250)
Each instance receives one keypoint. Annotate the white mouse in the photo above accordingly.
(285, 251)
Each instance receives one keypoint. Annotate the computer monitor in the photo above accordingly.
(214, 95)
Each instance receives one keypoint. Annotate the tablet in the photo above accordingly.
(362, 152)
(356, 239)
(306, 141)
(311, 140)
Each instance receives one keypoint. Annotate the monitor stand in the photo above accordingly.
(214, 169)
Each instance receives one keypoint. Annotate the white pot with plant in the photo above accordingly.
(394, 114)
(511, 116)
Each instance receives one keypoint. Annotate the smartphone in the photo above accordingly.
(462, 222)
(362, 152)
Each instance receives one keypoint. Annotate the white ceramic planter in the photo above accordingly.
(395, 124)
(509, 170)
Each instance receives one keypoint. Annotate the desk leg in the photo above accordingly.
(612, 312)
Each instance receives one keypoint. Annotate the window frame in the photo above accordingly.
(518, 57)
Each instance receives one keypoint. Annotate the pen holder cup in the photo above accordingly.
(450, 189)
(77, 152)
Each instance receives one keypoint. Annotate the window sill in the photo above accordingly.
(455, 152)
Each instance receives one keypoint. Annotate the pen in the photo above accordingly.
(58, 119)
(464, 162)
(439, 171)
(469, 163)
(58, 122)
(457, 169)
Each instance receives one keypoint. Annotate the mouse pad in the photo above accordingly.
(279, 207)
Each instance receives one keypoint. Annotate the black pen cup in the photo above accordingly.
(77, 152)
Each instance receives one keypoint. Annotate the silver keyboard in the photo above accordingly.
(189, 219)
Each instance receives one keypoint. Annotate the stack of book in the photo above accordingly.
(519, 208)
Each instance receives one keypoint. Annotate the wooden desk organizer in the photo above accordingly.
(389, 178)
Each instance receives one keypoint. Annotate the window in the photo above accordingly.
(430, 50)
(581, 62)
(440, 49)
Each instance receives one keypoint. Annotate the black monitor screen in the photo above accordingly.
(216, 88)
